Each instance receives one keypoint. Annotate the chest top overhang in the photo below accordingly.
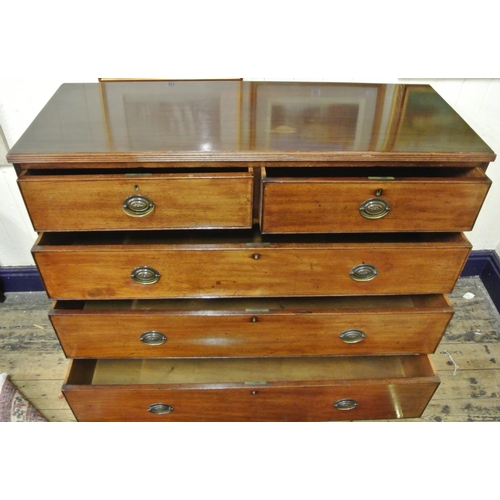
(241, 121)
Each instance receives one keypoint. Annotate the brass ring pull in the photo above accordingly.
(374, 208)
(145, 275)
(345, 404)
(138, 205)
(363, 272)
(352, 336)
(153, 338)
(160, 408)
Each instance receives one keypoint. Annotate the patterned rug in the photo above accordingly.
(14, 407)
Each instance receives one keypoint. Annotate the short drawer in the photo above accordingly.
(160, 199)
(313, 200)
(252, 389)
(202, 265)
(251, 327)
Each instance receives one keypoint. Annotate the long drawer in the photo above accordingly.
(251, 327)
(285, 389)
(309, 200)
(186, 265)
(106, 200)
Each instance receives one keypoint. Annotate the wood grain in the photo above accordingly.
(95, 202)
(196, 121)
(401, 396)
(325, 204)
(242, 329)
(191, 127)
(239, 270)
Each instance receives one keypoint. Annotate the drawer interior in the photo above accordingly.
(247, 371)
(114, 173)
(373, 173)
(280, 305)
(237, 238)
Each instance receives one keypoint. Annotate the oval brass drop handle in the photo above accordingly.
(138, 205)
(363, 272)
(160, 408)
(345, 404)
(153, 338)
(145, 275)
(374, 208)
(352, 336)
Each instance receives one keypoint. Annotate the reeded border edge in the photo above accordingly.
(482, 263)
(250, 156)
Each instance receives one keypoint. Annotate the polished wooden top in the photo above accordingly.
(227, 121)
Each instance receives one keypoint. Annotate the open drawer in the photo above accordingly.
(322, 200)
(103, 199)
(253, 389)
(138, 265)
(251, 327)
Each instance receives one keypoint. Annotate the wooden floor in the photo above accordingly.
(466, 359)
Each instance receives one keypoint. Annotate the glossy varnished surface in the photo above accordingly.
(304, 389)
(251, 327)
(224, 121)
(204, 267)
(322, 200)
(148, 129)
(196, 200)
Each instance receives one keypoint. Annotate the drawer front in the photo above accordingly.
(101, 271)
(393, 325)
(138, 201)
(317, 205)
(373, 397)
(374, 401)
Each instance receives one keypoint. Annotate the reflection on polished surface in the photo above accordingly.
(209, 120)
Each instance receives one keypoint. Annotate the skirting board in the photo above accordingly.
(482, 263)
(20, 279)
(486, 265)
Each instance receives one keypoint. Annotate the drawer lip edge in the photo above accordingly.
(480, 177)
(453, 239)
(443, 308)
(106, 177)
(428, 379)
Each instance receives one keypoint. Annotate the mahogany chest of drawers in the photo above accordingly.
(250, 251)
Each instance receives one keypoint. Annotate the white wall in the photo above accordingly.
(20, 101)
(16, 232)
(477, 100)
